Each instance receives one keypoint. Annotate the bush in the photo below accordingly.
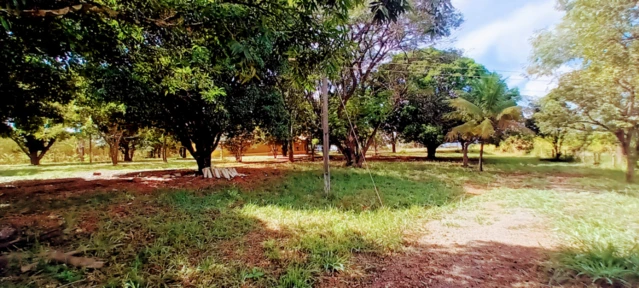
(523, 144)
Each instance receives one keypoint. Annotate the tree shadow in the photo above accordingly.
(475, 264)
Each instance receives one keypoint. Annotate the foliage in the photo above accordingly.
(238, 144)
(600, 91)
(518, 143)
(431, 78)
(372, 43)
(488, 108)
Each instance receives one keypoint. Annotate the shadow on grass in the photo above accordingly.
(281, 230)
(475, 264)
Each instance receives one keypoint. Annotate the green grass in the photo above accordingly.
(598, 232)
(287, 233)
(67, 170)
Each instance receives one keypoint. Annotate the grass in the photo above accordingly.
(287, 233)
(598, 232)
(66, 170)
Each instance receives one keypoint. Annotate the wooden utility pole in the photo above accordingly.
(326, 144)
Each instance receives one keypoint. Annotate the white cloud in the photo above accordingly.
(508, 37)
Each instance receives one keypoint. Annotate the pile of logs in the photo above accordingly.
(228, 173)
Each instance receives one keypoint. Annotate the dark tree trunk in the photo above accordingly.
(203, 161)
(431, 149)
(164, 151)
(393, 142)
(312, 152)
(33, 157)
(291, 153)
(285, 149)
(125, 152)
(132, 151)
(481, 156)
(182, 152)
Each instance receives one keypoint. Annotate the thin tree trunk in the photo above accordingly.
(393, 147)
(465, 152)
(164, 150)
(90, 150)
(481, 156)
(375, 146)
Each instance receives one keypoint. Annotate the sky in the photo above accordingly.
(497, 33)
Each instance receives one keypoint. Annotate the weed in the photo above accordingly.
(296, 277)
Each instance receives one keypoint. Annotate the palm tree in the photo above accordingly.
(489, 106)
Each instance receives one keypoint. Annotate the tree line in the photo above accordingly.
(200, 71)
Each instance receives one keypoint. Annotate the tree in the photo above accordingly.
(372, 44)
(198, 68)
(598, 40)
(239, 143)
(433, 77)
(488, 107)
(554, 122)
(33, 85)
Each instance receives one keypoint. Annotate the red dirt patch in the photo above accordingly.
(137, 182)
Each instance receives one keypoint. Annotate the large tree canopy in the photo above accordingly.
(432, 78)
(598, 40)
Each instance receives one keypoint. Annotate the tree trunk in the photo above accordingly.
(90, 149)
(291, 154)
(393, 147)
(33, 156)
(431, 149)
(182, 152)
(631, 160)
(375, 146)
(465, 152)
(125, 152)
(164, 151)
(81, 150)
(481, 156)
(132, 151)
(285, 149)
(113, 153)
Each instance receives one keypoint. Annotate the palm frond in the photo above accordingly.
(465, 107)
(485, 129)
(465, 131)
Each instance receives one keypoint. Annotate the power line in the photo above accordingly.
(471, 76)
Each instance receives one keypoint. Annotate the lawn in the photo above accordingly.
(279, 229)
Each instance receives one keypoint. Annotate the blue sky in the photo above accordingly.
(497, 33)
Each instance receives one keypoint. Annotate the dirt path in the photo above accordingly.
(490, 246)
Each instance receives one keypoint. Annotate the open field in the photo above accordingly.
(522, 223)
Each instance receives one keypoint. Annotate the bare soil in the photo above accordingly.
(487, 247)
